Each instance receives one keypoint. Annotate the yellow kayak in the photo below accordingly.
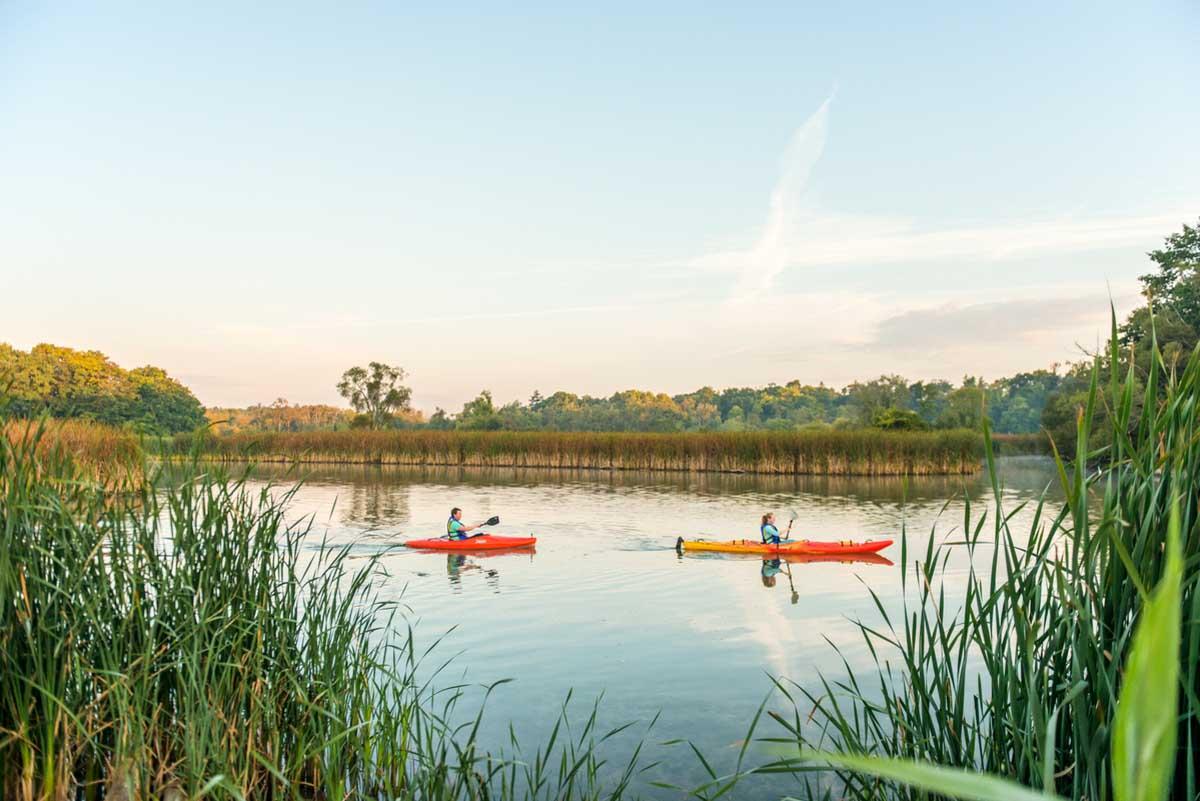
(810, 547)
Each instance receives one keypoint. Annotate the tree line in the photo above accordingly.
(66, 383)
(1020, 404)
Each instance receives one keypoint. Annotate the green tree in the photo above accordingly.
(479, 414)
(166, 406)
(964, 406)
(375, 392)
(893, 419)
(1175, 287)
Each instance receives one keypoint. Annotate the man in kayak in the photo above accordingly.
(456, 529)
(770, 534)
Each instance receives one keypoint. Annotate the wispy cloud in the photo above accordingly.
(774, 251)
(798, 233)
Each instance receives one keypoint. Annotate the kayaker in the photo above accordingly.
(456, 529)
(770, 534)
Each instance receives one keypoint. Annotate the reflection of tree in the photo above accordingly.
(376, 502)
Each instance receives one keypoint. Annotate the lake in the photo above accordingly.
(605, 605)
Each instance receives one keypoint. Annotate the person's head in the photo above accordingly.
(456, 513)
(769, 517)
(768, 581)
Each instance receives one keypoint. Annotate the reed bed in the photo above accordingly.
(172, 644)
(864, 452)
(101, 453)
(1019, 673)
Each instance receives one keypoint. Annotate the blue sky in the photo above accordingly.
(257, 196)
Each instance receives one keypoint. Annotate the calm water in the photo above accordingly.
(605, 605)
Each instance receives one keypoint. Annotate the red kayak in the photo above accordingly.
(484, 542)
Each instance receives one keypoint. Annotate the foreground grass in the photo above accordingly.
(861, 452)
(1020, 676)
(173, 644)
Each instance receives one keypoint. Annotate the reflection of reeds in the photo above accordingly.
(1036, 444)
(866, 452)
(169, 642)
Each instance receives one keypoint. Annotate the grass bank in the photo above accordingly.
(172, 644)
(865, 452)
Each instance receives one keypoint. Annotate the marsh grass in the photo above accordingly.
(179, 642)
(1019, 675)
(99, 452)
(860, 452)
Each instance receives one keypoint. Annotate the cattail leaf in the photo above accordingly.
(1144, 730)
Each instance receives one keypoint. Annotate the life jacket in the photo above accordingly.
(762, 530)
(450, 521)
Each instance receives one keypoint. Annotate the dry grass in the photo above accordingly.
(866, 452)
(102, 453)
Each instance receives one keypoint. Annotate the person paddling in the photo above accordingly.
(770, 534)
(456, 529)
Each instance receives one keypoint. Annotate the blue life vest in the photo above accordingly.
(769, 537)
(453, 533)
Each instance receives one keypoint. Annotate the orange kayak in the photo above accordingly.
(484, 542)
(799, 547)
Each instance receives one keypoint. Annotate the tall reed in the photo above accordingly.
(1019, 674)
(860, 452)
(172, 643)
(103, 453)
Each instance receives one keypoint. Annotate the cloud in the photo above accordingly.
(774, 250)
(798, 233)
(999, 323)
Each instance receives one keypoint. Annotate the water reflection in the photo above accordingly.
(603, 609)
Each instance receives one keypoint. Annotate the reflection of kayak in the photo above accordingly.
(796, 547)
(484, 542)
(806, 558)
(841, 558)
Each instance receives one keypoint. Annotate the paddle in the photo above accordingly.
(491, 521)
(793, 520)
(795, 595)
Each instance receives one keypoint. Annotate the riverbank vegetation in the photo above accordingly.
(1020, 675)
(104, 454)
(178, 643)
(87, 385)
(863, 452)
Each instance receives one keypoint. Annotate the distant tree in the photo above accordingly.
(479, 414)
(166, 406)
(893, 419)
(964, 406)
(375, 392)
(63, 382)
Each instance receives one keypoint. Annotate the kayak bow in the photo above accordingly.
(484, 542)
(799, 547)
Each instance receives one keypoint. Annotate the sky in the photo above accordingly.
(256, 197)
